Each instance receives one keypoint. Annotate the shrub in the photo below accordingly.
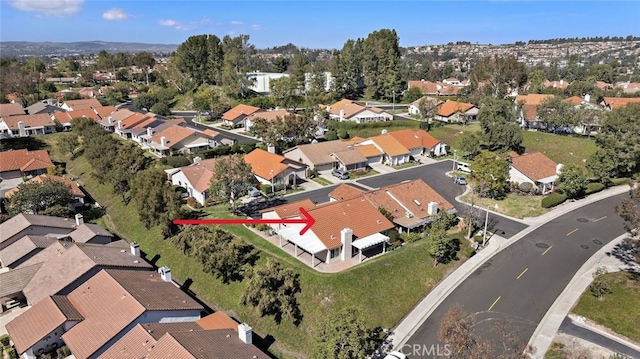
(266, 188)
(193, 203)
(525, 187)
(343, 134)
(619, 181)
(11, 353)
(4, 340)
(553, 199)
(179, 189)
(469, 252)
(63, 352)
(263, 227)
(177, 161)
(411, 237)
(594, 187)
(600, 285)
(331, 135)
(313, 173)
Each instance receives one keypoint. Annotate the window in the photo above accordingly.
(335, 252)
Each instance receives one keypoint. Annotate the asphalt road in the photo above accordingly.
(520, 283)
(435, 176)
(190, 115)
(568, 327)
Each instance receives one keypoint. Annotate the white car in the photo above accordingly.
(396, 355)
(463, 167)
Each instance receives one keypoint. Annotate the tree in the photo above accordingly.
(495, 76)
(600, 285)
(69, 96)
(232, 177)
(470, 144)
(344, 335)
(536, 81)
(411, 95)
(440, 246)
(145, 101)
(347, 71)
(272, 291)
(48, 87)
(558, 113)
(144, 60)
(602, 165)
(619, 136)
(629, 210)
(497, 119)
(455, 331)
(299, 67)
(191, 58)
(156, 201)
(379, 57)
(161, 109)
(428, 108)
(68, 144)
(280, 64)
(235, 65)
(37, 197)
(573, 180)
(221, 253)
(284, 92)
(490, 175)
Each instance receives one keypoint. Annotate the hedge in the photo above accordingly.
(594, 187)
(553, 199)
(4, 340)
(619, 181)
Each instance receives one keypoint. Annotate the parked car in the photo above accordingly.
(463, 167)
(460, 180)
(341, 174)
(254, 192)
(396, 355)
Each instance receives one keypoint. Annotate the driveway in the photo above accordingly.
(7, 184)
(382, 168)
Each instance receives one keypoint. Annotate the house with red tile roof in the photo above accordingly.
(414, 107)
(527, 107)
(11, 109)
(237, 115)
(559, 84)
(345, 191)
(273, 169)
(78, 195)
(26, 125)
(419, 142)
(178, 139)
(73, 105)
(394, 153)
(447, 87)
(268, 115)
(195, 178)
(455, 111)
(22, 163)
(217, 335)
(612, 103)
(349, 110)
(534, 168)
(121, 298)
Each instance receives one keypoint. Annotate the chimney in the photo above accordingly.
(165, 273)
(587, 98)
(341, 115)
(346, 236)
(559, 168)
(110, 121)
(120, 124)
(163, 141)
(271, 149)
(197, 159)
(149, 131)
(21, 129)
(432, 209)
(135, 249)
(245, 333)
(79, 219)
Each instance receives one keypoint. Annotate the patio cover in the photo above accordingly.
(308, 242)
(370, 241)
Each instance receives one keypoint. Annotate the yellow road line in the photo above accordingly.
(494, 303)
(548, 249)
(601, 218)
(523, 272)
(572, 232)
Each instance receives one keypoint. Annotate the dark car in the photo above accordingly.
(341, 174)
(460, 180)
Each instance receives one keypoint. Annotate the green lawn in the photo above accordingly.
(365, 173)
(618, 311)
(452, 133)
(513, 205)
(322, 181)
(561, 149)
(374, 286)
(373, 129)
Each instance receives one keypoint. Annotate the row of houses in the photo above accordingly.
(446, 111)
(101, 299)
(391, 148)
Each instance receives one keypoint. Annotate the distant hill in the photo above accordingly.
(26, 48)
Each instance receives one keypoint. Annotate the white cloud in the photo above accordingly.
(237, 22)
(115, 14)
(256, 26)
(49, 7)
(185, 25)
(168, 23)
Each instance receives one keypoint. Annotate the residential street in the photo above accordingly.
(569, 327)
(522, 281)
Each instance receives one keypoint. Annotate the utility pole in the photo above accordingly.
(394, 99)
(486, 222)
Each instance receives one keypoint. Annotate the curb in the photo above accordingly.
(449, 284)
(543, 337)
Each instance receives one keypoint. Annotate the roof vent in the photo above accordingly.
(333, 236)
(136, 261)
(378, 221)
(122, 251)
(417, 202)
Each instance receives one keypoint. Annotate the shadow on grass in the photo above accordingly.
(19, 143)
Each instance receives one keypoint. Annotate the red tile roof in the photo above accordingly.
(217, 320)
(292, 209)
(37, 120)
(414, 139)
(345, 191)
(87, 112)
(535, 165)
(239, 111)
(75, 190)
(173, 134)
(11, 109)
(427, 87)
(390, 145)
(199, 174)
(24, 160)
(574, 100)
(533, 99)
(265, 164)
(617, 102)
(104, 111)
(83, 104)
(368, 150)
(269, 115)
(449, 108)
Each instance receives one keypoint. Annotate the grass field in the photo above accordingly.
(620, 310)
(513, 205)
(322, 181)
(561, 149)
(373, 286)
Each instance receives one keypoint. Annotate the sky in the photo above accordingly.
(314, 24)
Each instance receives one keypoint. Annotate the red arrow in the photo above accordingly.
(307, 220)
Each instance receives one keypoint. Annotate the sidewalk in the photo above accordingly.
(548, 327)
(412, 321)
